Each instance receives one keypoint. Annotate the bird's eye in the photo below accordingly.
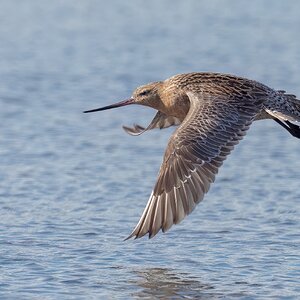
(144, 93)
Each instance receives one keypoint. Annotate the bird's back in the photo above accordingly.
(218, 84)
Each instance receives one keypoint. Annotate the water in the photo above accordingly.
(72, 186)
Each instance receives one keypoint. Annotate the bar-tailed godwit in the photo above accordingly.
(213, 112)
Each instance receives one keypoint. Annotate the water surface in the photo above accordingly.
(72, 186)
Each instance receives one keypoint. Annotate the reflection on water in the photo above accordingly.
(163, 283)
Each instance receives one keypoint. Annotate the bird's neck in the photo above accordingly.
(173, 101)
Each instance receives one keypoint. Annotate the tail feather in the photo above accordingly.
(295, 107)
(293, 129)
(286, 112)
(291, 109)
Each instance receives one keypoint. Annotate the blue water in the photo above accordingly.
(72, 186)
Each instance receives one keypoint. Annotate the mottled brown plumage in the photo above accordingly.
(214, 112)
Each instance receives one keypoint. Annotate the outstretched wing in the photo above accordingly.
(160, 121)
(211, 129)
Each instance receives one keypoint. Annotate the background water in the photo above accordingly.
(72, 186)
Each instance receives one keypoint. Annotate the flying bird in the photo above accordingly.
(214, 112)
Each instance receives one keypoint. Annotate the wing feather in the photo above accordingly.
(211, 129)
(160, 121)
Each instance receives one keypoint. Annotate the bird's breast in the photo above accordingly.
(176, 105)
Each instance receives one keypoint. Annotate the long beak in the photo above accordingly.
(119, 104)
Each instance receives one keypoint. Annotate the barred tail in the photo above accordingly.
(288, 113)
(296, 104)
(293, 129)
(290, 110)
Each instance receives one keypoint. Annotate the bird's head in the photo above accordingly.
(147, 95)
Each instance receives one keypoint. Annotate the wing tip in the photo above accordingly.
(136, 235)
(135, 130)
(128, 237)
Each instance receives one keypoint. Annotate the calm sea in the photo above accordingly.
(73, 186)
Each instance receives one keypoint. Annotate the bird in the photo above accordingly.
(213, 112)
